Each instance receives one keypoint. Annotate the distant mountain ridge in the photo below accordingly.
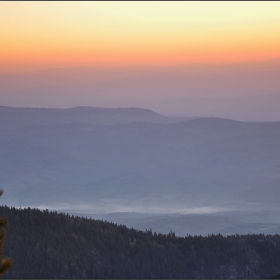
(247, 91)
(141, 161)
(12, 117)
(101, 160)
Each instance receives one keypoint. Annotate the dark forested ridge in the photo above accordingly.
(46, 244)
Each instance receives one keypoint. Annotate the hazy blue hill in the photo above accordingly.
(142, 166)
(11, 117)
(245, 92)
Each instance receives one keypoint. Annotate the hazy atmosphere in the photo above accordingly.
(155, 115)
(241, 91)
(219, 59)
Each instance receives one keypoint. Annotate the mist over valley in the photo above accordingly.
(195, 172)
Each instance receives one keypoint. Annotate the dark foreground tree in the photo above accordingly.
(7, 262)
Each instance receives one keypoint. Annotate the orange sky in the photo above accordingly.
(64, 34)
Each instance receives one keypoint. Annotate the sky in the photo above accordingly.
(41, 35)
(169, 56)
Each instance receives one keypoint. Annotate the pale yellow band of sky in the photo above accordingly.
(68, 34)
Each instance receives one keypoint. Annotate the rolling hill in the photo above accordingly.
(138, 166)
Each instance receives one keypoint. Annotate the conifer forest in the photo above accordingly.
(46, 244)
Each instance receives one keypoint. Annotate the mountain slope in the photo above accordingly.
(48, 245)
(18, 117)
(142, 166)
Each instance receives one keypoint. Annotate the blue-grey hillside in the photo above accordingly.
(11, 117)
(142, 166)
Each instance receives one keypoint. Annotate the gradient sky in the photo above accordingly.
(69, 34)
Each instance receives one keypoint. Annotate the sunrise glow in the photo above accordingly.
(65, 34)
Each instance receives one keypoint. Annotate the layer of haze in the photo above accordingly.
(241, 91)
(41, 35)
(217, 59)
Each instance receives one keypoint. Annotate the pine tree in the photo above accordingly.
(7, 262)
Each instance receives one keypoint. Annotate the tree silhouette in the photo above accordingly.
(7, 262)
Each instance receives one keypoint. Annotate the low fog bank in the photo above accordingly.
(182, 221)
(118, 208)
(224, 222)
(194, 221)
